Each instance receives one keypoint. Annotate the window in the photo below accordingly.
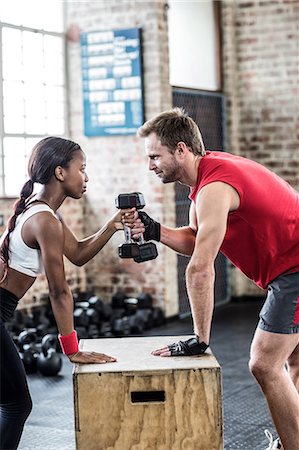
(194, 56)
(32, 84)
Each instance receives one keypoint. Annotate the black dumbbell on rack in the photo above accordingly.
(49, 361)
(140, 251)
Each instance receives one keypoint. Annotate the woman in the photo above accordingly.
(35, 241)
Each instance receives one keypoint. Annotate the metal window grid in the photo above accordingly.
(3, 134)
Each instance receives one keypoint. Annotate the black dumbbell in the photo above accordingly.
(82, 332)
(117, 313)
(147, 316)
(118, 300)
(96, 303)
(81, 318)
(29, 322)
(141, 251)
(105, 329)
(136, 324)
(131, 305)
(147, 251)
(121, 326)
(49, 362)
(145, 300)
(93, 331)
(15, 325)
(106, 312)
(158, 316)
(129, 249)
(28, 350)
(93, 316)
(42, 323)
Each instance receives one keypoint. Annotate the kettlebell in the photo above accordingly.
(27, 350)
(49, 362)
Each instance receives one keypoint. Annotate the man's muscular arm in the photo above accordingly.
(209, 218)
(213, 204)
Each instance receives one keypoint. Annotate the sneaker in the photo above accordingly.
(273, 445)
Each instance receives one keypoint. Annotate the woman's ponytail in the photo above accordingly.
(19, 207)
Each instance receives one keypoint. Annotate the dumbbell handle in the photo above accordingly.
(128, 236)
(141, 239)
(127, 231)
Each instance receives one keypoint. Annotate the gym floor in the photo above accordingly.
(51, 423)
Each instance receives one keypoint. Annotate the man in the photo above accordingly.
(252, 216)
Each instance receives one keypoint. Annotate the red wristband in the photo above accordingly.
(69, 343)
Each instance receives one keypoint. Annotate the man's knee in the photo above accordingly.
(261, 371)
(293, 365)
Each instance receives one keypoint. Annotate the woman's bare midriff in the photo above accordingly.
(15, 282)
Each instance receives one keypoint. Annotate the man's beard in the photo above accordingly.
(171, 174)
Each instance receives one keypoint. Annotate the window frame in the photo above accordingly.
(25, 135)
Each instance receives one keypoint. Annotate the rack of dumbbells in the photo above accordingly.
(124, 316)
(35, 334)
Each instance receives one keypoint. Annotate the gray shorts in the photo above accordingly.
(280, 313)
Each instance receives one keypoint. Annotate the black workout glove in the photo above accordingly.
(152, 228)
(188, 348)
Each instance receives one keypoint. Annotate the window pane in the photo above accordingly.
(15, 167)
(53, 44)
(35, 125)
(55, 109)
(54, 76)
(29, 144)
(13, 105)
(13, 123)
(39, 14)
(35, 109)
(12, 11)
(33, 90)
(13, 98)
(14, 177)
(14, 146)
(33, 82)
(12, 45)
(13, 89)
(54, 93)
(13, 70)
(32, 55)
(53, 17)
(55, 126)
(53, 60)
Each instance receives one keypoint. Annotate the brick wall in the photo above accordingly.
(261, 73)
(117, 164)
(260, 76)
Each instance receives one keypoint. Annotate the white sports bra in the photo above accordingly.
(22, 258)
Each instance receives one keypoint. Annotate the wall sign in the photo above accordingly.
(112, 82)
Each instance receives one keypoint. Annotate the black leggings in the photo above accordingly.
(15, 400)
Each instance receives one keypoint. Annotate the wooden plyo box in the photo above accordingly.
(146, 402)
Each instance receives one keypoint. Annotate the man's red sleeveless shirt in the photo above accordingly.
(262, 237)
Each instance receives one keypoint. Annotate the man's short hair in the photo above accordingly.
(172, 127)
